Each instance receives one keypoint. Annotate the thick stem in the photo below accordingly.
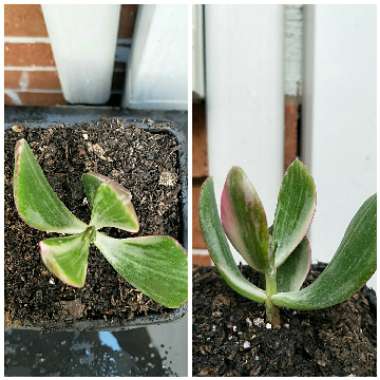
(273, 314)
(91, 232)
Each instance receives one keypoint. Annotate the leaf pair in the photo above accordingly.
(156, 265)
(245, 223)
(283, 248)
(352, 265)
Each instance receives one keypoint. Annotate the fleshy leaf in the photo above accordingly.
(156, 265)
(218, 246)
(37, 204)
(351, 267)
(111, 203)
(67, 257)
(293, 272)
(91, 182)
(244, 219)
(294, 211)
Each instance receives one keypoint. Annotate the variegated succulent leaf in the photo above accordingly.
(156, 265)
(244, 220)
(293, 272)
(294, 212)
(36, 202)
(351, 267)
(67, 257)
(111, 203)
(219, 250)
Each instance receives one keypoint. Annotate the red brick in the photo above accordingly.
(7, 100)
(201, 260)
(291, 129)
(24, 20)
(43, 80)
(200, 165)
(27, 54)
(198, 241)
(37, 99)
(127, 20)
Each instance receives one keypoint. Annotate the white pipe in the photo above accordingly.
(83, 39)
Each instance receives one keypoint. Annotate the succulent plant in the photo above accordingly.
(281, 253)
(156, 265)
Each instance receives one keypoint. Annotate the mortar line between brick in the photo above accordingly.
(48, 91)
(200, 252)
(46, 40)
(30, 68)
(47, 68)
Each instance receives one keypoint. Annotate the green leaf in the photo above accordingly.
(111, 203)
(351, 267)
(67, 257)
(294, 211)
(91, 182)
(156, 265)
(293, 272)
(218, 246)
(37, 204)
(244, 219)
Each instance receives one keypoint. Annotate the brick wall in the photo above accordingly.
(30, 76)
(200, 173)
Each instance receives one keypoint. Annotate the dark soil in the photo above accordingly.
(144, 162)
(231, 338)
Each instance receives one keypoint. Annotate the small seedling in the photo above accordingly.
(282, 252)
(156, 265)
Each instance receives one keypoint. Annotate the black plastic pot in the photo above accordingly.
(86, 341)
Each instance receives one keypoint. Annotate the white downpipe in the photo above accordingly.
(339, 116)
(83, 39)
(198, 52)
(244, 96)
(157, 70)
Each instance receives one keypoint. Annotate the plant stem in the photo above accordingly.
(90, 232)
(273, 314)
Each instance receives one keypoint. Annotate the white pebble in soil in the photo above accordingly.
(246, 345)
(17, 128)
(168, 179)
(259, 322)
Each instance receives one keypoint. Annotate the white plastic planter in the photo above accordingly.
(198, 52)
(157, 69)
(244, 96)
(83, 39)
(339, 117)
